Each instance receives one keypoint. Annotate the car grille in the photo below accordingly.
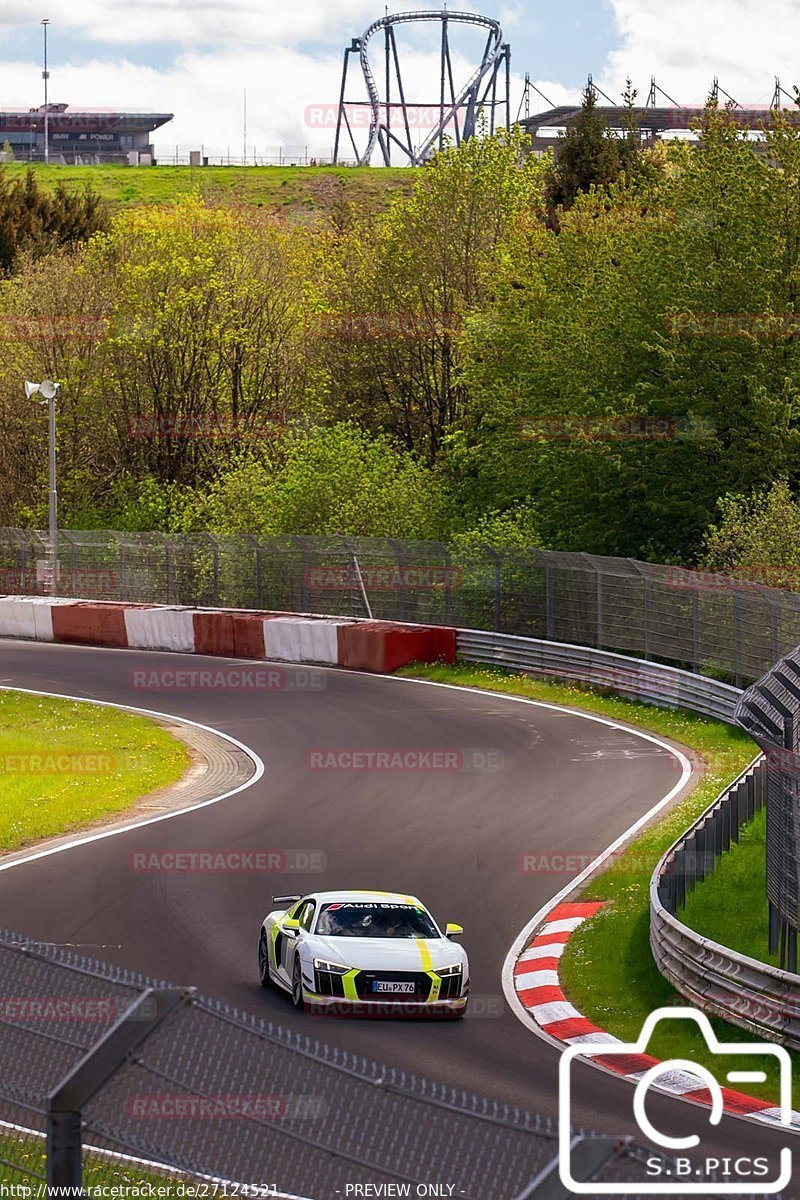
(451, 987)
(328, 984)
(422, 985)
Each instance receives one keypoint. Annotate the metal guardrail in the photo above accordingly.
(753, 995)
(668, 687)
(760, 998)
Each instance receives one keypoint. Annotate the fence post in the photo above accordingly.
(737, 638)
(65, 1104)
(448, 586)
(696, 651)
(588, 1155)
(550, 601)
(494, 555)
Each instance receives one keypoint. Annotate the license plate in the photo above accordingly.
(383, 985)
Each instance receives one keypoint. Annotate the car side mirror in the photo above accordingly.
(453, 931)
(290, 926)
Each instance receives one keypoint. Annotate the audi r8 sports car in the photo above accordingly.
(365, 953)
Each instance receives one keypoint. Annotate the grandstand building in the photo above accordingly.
(74, 137)
(653, 123)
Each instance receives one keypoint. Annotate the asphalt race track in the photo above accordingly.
(566, 785)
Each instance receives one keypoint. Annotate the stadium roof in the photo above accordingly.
(650, 120)
(62, 119)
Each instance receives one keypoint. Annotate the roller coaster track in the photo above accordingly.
(460, 109)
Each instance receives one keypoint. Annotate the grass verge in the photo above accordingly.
(608, 970)
(65, 765)
(292, 190)
(730, 906)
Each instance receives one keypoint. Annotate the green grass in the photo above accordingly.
(295, 191)
(730, 906)
(608, 970)
(23, 1159)
(113, 759)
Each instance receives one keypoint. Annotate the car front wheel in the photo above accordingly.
(263, 961)
(297, 986)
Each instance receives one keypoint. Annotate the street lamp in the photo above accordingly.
(46, 78)
(49, 392)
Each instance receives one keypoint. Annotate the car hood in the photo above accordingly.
(388, 954)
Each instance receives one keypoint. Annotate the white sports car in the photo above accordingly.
(368, 953)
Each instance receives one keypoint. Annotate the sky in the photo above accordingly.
(196, 58)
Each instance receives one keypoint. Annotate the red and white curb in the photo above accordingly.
(538, 987)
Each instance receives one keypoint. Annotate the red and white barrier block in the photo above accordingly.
(378, 646)
(538, 986)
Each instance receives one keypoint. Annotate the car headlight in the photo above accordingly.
(456, 970)
(331, 968)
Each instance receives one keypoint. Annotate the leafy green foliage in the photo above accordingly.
(329, 480)
(757, 537)
(454, 366)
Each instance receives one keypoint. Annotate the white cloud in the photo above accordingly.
(206, 22)
(686, 43)
(291, 104)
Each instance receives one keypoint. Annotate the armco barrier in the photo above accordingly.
(669, 687)
(760, 998)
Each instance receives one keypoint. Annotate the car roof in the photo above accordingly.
(363, 896)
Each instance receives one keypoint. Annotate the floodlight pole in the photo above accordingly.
(46, 78)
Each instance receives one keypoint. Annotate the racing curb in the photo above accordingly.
(538, 987)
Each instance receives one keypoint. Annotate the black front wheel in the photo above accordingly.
(297, 986)
(263, 961)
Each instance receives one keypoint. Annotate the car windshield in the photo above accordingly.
(374, 920)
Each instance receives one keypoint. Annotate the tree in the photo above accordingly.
(396, 294)
(34, 221)
(328, 480)
(757, 537)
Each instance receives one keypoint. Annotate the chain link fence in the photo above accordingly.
(727, 628)
(211, 1093)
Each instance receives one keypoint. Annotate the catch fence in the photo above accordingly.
(733, 629)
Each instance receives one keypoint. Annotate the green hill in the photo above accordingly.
(291, 189)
